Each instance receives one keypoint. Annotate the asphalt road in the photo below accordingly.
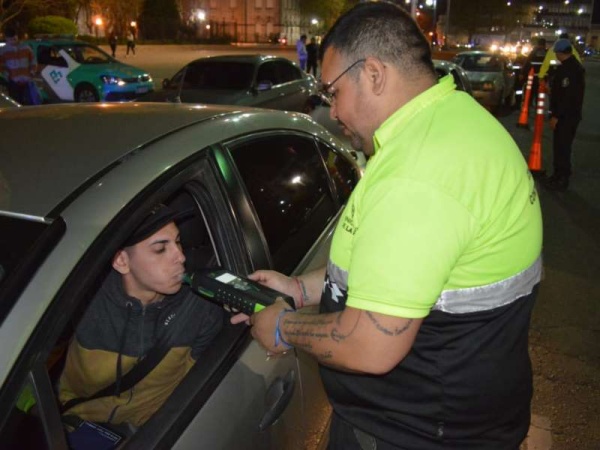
(565, 330)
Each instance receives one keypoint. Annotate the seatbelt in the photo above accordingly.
(145, 366)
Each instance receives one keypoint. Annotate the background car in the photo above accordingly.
(7, 102)
(492, 78)
(71, 70)
(267, 193)
(248, 80)
(461, 78)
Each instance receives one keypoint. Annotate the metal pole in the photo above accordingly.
(413, 9)
(447, 30)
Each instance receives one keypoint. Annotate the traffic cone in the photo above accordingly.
(524, 117)
(535, 154)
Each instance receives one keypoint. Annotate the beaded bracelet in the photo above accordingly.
(278, 336)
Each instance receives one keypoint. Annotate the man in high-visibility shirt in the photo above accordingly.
(433, 270)
(551, 56)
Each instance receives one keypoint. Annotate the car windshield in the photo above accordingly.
(480, 63)
(217, 75)
(86, 54)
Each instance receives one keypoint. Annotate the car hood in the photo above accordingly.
(117, 69)
(210, 96)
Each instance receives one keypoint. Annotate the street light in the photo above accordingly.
(98, 23)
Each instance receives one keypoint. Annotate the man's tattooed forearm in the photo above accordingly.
(325, 356)
(386, 331)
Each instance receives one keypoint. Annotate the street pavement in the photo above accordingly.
(564, 334)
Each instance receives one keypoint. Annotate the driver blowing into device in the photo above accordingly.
(140, 306)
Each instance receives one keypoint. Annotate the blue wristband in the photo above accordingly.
(278, 336)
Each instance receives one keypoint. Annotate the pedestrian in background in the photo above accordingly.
(113, 41)
(566, 103)
(17, 64)
(301, 51)
(425, 303)
(312, 51)
(130, 43)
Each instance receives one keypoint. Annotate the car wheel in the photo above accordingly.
(86, 93)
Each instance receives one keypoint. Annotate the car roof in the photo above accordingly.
(251, 58)
(56, 40)
(50, 151)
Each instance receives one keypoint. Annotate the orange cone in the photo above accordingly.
(524, 117)
(535, 154)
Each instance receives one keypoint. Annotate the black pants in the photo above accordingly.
(130, 46)
(113, 49)
(564, 134)
(311, 65)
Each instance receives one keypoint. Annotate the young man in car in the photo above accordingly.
(422, 335)
(141, 302)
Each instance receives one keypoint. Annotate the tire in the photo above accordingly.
(85, 93)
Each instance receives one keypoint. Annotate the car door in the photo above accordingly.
(237, 398)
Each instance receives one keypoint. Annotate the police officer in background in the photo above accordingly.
(566, 102)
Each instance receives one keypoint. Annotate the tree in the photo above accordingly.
(11, 11)
(51, 25)
(160, 19)
(325, 11)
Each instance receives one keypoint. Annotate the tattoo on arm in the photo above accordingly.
(387, 331)
(338, 336)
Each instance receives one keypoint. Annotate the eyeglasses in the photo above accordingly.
(324, 91)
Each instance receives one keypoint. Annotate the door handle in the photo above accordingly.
(277, 398)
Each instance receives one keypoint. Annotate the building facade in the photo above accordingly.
(244, 21)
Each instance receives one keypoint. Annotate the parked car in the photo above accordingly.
(461, 78)
(75, 71)
(492, 78)
(248, 80)
(267, 188)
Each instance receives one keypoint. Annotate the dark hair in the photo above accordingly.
(10, 32)
(303, 36)
(385, 31)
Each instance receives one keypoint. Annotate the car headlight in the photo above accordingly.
(111, 79)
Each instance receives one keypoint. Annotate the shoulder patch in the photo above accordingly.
(565, 82)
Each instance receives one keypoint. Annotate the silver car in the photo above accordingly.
(249, 80)
(267, 187)
(492, 78)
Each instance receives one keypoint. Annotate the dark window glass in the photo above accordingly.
(218, 75)
(342, 172)
(287, 72)
(268, 72)
(288, 185)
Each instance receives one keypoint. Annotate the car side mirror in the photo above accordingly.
(166, 83)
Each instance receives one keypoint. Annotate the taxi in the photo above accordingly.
(75, 71)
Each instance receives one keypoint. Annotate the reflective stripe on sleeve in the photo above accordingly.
(484, 298)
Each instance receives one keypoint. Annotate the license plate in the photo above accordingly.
(141, 90)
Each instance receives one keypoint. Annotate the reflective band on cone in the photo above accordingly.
(523, 121)
(535, 154)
